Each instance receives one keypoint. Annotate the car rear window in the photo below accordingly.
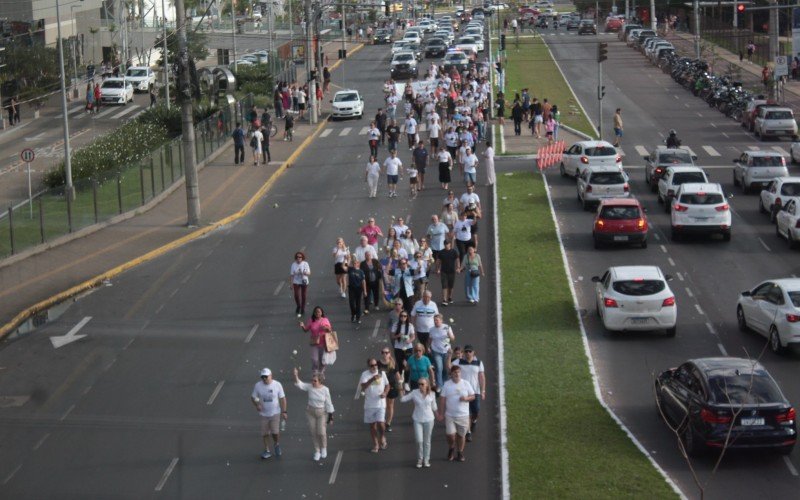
(767, 161)
(600, 151)
(701, 198)
(684, 177)
(675, 157)
(639, 288)
(795, 298)
(606, 178)
(731, 386)
(790, 189)
(619, 213)
(779, 115)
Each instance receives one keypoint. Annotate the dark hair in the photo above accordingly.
(400, 323)
(455, 368)
(301, 254)
(315, 310)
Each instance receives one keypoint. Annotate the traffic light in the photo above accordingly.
(503, 42)
(601, 92)
(740, 8)
(602, 52)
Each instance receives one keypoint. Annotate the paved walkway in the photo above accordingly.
(224, 188)
(527, 144)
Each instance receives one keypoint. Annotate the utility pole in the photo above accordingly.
(774, 47)
(233, 30)
(166, 58)
(696, 8)
(312, 91)
(69, 190)
(344, 47)
(602, 55)
(653, 19)
(187, 122)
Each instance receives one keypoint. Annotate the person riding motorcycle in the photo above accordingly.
(672, 140)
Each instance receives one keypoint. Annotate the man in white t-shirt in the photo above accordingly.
(473, 372)
(434, 133)
(470, 197)
(462, 229)
(410, 129)
(469, 163)
(391, 104)
(270, 402)
(422, 314)
(363, 249)
(392, 165)
(375, 387)
(454, 409)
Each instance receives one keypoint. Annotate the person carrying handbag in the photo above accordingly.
(319, 326)
(471, 263)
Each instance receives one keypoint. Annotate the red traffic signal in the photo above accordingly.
(740, 8)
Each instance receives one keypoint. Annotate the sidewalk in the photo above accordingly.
(28, 286)
(527, 144)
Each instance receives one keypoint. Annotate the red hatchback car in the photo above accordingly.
(620, 221)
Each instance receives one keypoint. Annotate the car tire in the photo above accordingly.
(667, 206)
(586, 206)
(773, 214)
(790, 240)
(726, 236)
(741, 320)
(562, 170)
(691, 444)
(745, 187)
(761, 208)
(672, 331)
(775, 341)
(659, 199)
(596, 243)
(735, 182)
(644, 243)
(674, 235)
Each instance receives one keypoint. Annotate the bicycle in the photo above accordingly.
(273, 130)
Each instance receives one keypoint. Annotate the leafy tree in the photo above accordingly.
(34, 69)
(195, 40)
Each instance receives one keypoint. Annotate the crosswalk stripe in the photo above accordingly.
(104, 113)
(345, 131)
(125, 112)
(620, 151)
(780, 150)
(326, 132)
(711, 151)
(642, 150)
(363, 131)
(688, 149)
(753, 148)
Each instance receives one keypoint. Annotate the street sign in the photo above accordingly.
(27, 155)
(781, 66)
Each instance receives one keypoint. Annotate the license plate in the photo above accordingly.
(752, 420)
(620, 238)
(639, 321)
(700, 219)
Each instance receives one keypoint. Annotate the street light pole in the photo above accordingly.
(233, 30)
(74, 50)
(65, 121)
(187, 121)
(166, 57)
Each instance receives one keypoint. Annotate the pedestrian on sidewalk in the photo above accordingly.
(255, 142)
(373, 136)
(277, 101)
(423, 417)
(326, 79)
(98, 101)
(375, 386)
(454, 410)
(318, 325)
(765, 77)
(751, 48)
(238, 144)
(556, 114)
(618, 127)
(319, 412)
(15, 108)
(517, 115)
(537, 110)
(549, 128)
(266, 156)
(500, 103)
(299, 278)
(270, 402)
(288, 127)
(152, 96)
(473, 373)
(300, 94)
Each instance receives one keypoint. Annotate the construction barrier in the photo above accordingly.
(549, 155)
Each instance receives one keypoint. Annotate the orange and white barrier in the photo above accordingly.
(549, 155)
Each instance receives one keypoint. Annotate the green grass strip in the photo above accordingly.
(562, 443)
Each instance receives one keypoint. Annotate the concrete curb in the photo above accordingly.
(7, 328)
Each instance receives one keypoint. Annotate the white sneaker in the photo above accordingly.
(427, 463)
(344, 295)
(419, 464)
(323, 453)
(316, 455)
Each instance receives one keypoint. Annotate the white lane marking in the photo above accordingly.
(345, 131)
(725, 353)
(198, 266)
(41, 441)
(252, 332)
(676, 96)
(699, 114)
(780, 150)
(641, 150)
(711, 151)
(711, 329)
(319, 222)
(104, 113)
(687, 148)
(159, 308)
(663, 248)
(685, 104)
(124, 112)
(789, 465)
(753, 148)
(106, 368)
(326, 132)
(671, 262)
(66, 413)
(713, 125)
(167, 473)
(334, 198)
(278, 288)
(335, 471)
(679, 275)
(186, 279)
(71, 336)
(699, 310)
(11, 476)
(726, 135)
(656, 236)
(363, 131)
(375, 330)
(86, 391)
(766, 247)
(215, 393)
(131, 341)
(689, 292)
(174, 292)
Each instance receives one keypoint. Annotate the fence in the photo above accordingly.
(735, 40)
(52, 214)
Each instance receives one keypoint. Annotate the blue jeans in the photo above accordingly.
(472, 286)
(422, 435)
(481, 130)
(439, 359)
(392, 145)
(469, 178)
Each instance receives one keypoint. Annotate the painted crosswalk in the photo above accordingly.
(641, 150)
(124, 112)
(345, 131)
(711, 151)
(326, 132)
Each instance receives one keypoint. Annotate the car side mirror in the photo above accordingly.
(647, 158)
(746, 293)
(331, 101)
(595, 279)
(729, 196)
(644, 209)
(694, 157)
(735, 160)
(565, 152)
(668, 277)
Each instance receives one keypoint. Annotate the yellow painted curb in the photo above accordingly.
(116, 271)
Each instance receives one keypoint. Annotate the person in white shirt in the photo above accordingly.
(445, 166)
(422, 313)
(375, 386)
(454, 410)
(391, 104)
(410, 129)
(372, 175)
(400, 228)
(434, 132)
(462, 230)
(472, 372)
(470, 198)
(469, 163)
(298, 278)
(392, 166)
(424, 408)
(300, 94)
(341, 253)
(437, 233)
(256, 143)
(319, 412)
(488, 155)
(270, 402)
(373, 136)
(363, 249)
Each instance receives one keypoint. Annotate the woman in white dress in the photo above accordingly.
(372, 176)
(488, 155)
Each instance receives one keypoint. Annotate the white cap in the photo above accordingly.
(266, 372)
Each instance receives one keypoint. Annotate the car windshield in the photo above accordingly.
(587, 23)
(736, 387)
(345, 97)
(404, 57)
(767, 161)
(639, 287)
(606, 178)
(702, 198)
(779, 115)
(619, 213)
(435, 42)
(675, 157)
(137, 72)
(600, 151)
(683, 177)
(113, 84)
(382, 32)
(791, 189)
(455, 57)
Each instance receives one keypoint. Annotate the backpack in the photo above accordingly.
(253, 142)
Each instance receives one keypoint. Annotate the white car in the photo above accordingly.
(399, 45)
(412, 36)
(787, 223)
(474, 31)
(636, 298)
(757, 168)
(772, 309)
(775, 122)
(583, 154)
(467, 46)
(674, 177)
(347, 104)
(116, 91)
(141, 77)
(467, 40)
(700, 208)
(599, 183)
(777, 194)
(241, 62)
(794, 152)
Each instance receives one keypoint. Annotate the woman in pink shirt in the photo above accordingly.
(372, 231)
(319, 325)
(549, 128)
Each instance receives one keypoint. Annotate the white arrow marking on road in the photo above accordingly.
(62, 340)
(326, 132)
(345, 131)
(642, 150)
(711, 151)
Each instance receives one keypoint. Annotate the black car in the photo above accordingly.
(436, 47)
(573, 23)
(711, 400)
(586, 26)
(382, 36)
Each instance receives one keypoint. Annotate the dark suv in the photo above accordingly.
(382, 36)
(587, 26)
(436, 47)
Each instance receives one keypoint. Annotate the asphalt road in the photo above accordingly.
(709, 274)
(154, 401)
